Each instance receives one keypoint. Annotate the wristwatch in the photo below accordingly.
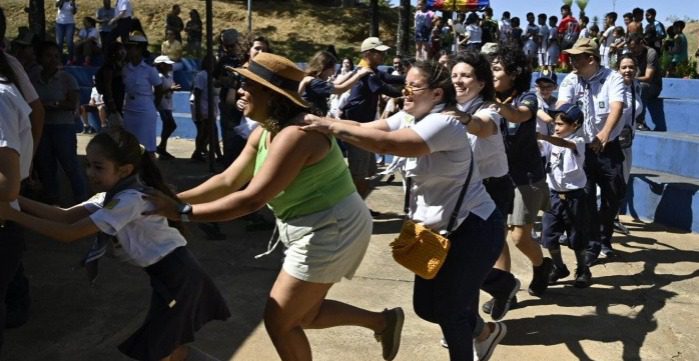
(185, 210)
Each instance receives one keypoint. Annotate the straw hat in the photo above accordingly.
(277, 73)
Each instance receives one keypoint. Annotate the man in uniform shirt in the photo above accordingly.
(600, 93)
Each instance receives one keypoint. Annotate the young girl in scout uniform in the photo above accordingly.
(184, 297)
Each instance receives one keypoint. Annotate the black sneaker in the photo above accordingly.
(390, 337)
(163, 154)
(583, 278)
(488, 306)
(642, 127)
(591, 258)
(501, 305)
(540, 278)
(620, 228)
(557, 273)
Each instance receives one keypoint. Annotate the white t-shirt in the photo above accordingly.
(65, 14)
(437, 178)
(124, 5)
(95, 97)
(544, 33)
(565, 166)
(15, 128)
(606, 87)
(89, 33)
(245, 127)
(143, 240)
(475, 34)
(24, 84)
(491, 157)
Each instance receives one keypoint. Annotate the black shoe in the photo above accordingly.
(620, 228)
(163, 154)
(540, 278)
(583, 278)
(488, 306)
(501, 305)
(557, 273)
(591, 259)
(642, 127)
(198, 157)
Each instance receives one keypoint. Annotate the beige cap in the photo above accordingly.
(584, 46)
(373, 43)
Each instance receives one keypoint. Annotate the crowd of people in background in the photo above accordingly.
(462, 110)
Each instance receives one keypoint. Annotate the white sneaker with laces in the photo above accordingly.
(483, 350)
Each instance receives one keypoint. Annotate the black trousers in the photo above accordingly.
(569, 214)
(11, 249)
(604, 169)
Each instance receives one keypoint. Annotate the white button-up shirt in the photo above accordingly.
(603, 88)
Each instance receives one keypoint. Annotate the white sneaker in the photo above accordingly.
(484, 349)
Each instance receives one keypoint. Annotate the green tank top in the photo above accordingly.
(317, 187)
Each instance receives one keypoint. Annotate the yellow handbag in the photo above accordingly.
(419, 248)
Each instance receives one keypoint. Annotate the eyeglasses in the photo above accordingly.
(410, 90)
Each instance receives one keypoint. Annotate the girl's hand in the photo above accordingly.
(317, 124)
(162, 204)
(175, 87)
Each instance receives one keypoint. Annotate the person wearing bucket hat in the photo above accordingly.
(361, 106)
(601, 94)
(143, 90)
(303, 178)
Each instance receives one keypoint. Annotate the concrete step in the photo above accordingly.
(663, 198)
(674, 115)
(680, 88)
(670, 152)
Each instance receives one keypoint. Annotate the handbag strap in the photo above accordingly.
(459, 201)
(633, 104)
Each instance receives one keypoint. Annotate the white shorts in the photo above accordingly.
(325, 246)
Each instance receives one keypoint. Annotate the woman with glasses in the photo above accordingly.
(438, 164)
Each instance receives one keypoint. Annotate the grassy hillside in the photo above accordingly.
(296, 28)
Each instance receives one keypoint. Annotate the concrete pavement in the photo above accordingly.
(642, 306)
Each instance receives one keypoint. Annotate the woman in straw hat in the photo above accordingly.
(322, 221)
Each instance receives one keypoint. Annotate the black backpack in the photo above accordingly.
(570, 36)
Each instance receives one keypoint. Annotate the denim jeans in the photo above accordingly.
(65, 32)
(11, 249)
(604, 169)
(451, 298)
(59, 144)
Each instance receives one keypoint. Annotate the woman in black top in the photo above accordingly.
(518, 107)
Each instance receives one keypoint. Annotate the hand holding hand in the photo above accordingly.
(316, 123)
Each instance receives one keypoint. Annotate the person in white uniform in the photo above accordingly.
(16, 149)
(142, 91)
